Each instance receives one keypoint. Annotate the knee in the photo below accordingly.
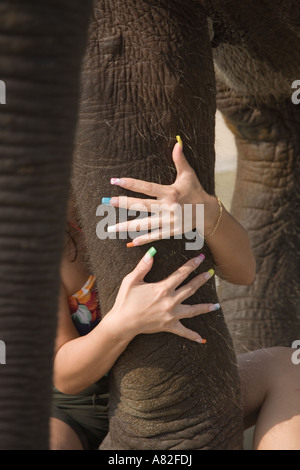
(283, 366)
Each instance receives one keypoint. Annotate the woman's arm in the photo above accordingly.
(82, 360)
(230, 244)
(140, 308)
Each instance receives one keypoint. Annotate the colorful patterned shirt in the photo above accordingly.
(84, 307)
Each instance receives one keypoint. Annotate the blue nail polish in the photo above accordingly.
(105, 200)
(217, 306)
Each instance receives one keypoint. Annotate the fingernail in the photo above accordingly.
(111, 229)
(201, 341)
(178, 138)
(117, 181)
(209, 274)
(105, 200)
(149, 255)
(114, 201)
(199, 259)
(215, 307)
(130, 245)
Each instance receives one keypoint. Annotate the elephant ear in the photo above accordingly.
(82, 315)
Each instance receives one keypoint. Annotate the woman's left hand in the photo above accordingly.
(164, 221)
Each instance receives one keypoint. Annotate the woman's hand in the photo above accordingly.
(139, 308)
(185, 190)
(227, 239)
(142, 307)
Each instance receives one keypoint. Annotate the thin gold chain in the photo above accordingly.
(218, 221)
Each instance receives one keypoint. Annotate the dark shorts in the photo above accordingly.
(86, 413)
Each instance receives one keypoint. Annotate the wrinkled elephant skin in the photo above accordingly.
(257, 61)
(148, 75)
(41, 47)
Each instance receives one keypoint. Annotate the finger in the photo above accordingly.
(179, 160)
(184, 332)
(160, 230)
(191, 287)
(140, 186)
(151, 237)
(132, 203)
(136, 225)
(143, 267)
(191, 311)
(175, 279)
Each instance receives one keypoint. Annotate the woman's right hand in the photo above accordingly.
(145, 308)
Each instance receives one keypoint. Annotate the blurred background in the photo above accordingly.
(226, 161)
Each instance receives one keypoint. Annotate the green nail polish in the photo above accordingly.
(151, 252)
(149, 255)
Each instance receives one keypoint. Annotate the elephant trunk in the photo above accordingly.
(266, 202)
(41, 46)
(149, 75)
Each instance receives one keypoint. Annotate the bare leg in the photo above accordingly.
(63, 437)
(270, 385)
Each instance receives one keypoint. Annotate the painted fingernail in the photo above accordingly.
(114, 201)
(135, 242)
(201, 341)
(105, 200)
(150, 253)
(111, 229)
(215, 307)
(178, 138)
(117, 181)
(209, 274)
(199, 259)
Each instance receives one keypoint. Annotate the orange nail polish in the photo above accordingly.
(130, 245)
(201, 341)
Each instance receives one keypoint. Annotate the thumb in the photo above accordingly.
(179, 159)
(144, 266)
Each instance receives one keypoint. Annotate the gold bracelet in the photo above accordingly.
(218, 221)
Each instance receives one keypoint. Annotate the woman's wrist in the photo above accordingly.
(116, 330)
(209, 231)
(211, 212)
